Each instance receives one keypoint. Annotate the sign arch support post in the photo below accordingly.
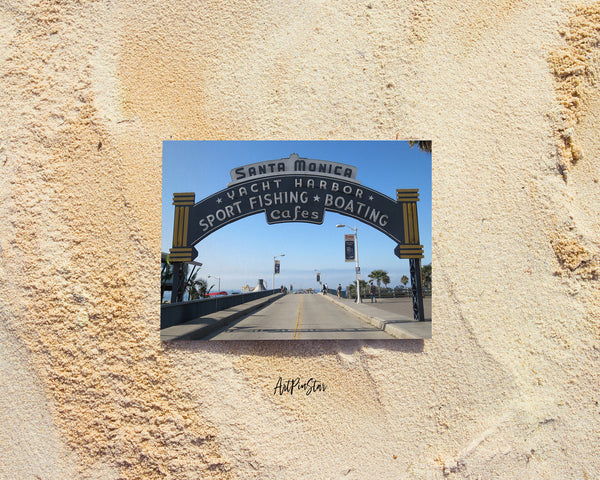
(411, 249)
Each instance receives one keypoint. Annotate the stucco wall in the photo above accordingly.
(507, 91)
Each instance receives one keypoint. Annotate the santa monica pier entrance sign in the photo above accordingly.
(297, 189)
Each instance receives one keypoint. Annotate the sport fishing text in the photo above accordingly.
(303, 200)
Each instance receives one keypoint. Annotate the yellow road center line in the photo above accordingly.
(298, 326)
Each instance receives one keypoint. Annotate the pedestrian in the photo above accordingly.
(372, 293)
(326, 289)
(339, 290)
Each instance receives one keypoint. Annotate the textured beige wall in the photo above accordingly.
(508, 92)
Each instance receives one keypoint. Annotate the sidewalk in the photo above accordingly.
(198, 328)
(397, 325)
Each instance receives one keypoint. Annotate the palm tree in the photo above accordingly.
(404, 281)
(197, 287)
(426, 275)
(424, 145)
(352, 288)
(379, 276)
(166, 277)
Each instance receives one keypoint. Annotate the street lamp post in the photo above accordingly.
(358, 299)
(282, 255)
(218, 278)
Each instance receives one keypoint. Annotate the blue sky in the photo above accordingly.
(242, 252)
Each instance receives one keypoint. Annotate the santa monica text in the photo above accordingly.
(288, 386)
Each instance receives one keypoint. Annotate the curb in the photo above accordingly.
(384, 325)
(199, 327)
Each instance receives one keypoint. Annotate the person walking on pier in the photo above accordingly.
(372, 292)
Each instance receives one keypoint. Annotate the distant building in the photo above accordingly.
(261, 287)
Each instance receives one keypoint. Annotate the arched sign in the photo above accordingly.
(297, 189)
(298, 198)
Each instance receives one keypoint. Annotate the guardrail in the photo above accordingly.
(333, 291)
(176, 313)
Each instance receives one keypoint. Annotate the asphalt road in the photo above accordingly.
(300, 317)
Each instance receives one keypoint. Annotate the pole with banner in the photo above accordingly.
(349, 248)
(276, 268)
(351, 253)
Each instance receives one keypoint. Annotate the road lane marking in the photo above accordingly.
(298, 326)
